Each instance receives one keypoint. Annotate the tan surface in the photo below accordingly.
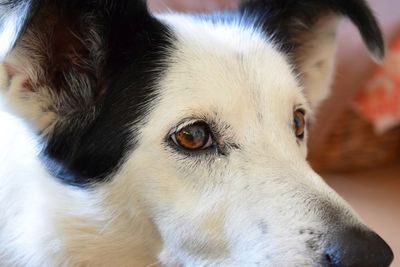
(375, 195)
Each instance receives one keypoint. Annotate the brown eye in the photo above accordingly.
(299, 123)
(196, 136)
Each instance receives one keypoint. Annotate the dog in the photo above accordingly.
(141, 139)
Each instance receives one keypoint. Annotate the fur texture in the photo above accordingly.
(90, 175)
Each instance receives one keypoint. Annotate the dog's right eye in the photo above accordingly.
(299, 123)
(196, 136)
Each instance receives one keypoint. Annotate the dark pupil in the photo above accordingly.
(196, 134)
(193, 136)
(297, 122)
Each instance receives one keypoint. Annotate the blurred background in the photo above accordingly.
(355, 141)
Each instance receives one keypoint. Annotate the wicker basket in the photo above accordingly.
(353, 145)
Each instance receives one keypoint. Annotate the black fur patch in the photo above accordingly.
(286, 19)
(94, 133)
(135, 44)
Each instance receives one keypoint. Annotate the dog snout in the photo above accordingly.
(357, 247)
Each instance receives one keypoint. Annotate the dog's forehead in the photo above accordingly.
(227, 68)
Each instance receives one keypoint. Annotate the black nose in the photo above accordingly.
(356, 247)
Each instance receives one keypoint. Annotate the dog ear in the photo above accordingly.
(79, 71)
(307, 30)
(54, 53)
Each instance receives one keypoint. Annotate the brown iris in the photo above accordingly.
(299, 123)
(196, 136)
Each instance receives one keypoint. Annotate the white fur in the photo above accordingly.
(245, 209)
(13, 21)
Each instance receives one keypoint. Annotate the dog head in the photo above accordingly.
(198, 122)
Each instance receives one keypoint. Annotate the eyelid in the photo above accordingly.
(187, 123)
(304, 108)
(210, 141)
(301, 109)
(182, 124)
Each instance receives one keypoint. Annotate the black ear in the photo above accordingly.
(63, 51)
(306, 29)
(288, 18)
(79, 72)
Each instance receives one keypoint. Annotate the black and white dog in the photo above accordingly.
(171, 139)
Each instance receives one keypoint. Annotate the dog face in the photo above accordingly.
(251, 164)
(198, 123)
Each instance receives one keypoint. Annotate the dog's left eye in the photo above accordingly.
(196, 136)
